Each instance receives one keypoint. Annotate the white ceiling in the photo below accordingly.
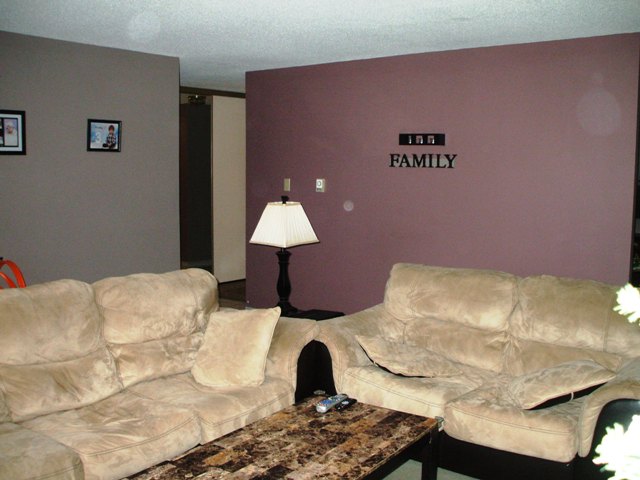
(217, 41)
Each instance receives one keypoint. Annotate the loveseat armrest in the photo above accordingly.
(626, 385)
(289, 338)
(339, 335)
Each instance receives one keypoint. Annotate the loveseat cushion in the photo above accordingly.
(29, 455)
(476, 347)
(560, 320)
(483, 417)
(419, 396)
(528, 356)
(459, 313)
(220, 410)
(569, 313)
(122, 434)
(52, 353)
(534, 389)
(154, 322)
(406, 360)
(481, 299)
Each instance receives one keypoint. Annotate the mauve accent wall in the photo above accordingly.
(69, 213)
(545, 137)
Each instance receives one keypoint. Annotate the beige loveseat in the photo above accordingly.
(497, 356)
(96, 382)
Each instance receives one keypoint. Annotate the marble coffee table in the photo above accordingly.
(297, 443)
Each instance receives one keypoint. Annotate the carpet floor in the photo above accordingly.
(412, 469)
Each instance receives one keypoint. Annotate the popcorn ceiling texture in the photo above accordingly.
(218, 41)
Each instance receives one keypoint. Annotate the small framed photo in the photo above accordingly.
(104, 135)
(12, 132)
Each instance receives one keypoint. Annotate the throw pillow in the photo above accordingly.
(567, 379)
(235, 347)
(407, 360)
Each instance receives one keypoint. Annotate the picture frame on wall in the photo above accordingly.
(104, 135)
(12, 132)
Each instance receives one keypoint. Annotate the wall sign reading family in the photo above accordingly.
(422, 160)
(104, 135)
(12, 132)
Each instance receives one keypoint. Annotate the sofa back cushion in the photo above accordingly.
(49, 322)
(478, 298)
(560, 319)
(459, 313)
(52, 353)
(471, 346)
(526, 356)
(33, 390)
(154, 323)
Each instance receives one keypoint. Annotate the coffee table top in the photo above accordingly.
(298, 443)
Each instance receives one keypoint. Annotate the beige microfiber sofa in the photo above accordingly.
(96, 382)
(497, 356)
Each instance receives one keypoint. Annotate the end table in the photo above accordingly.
(315, 371)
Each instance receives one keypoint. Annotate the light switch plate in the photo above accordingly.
(287, 185)
(320, 184)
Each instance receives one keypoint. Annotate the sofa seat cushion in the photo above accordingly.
(29, 455)
(122, 434)
(220, 409)
(484, 417)
(420, 396)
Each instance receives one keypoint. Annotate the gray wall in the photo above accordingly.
(69, 213)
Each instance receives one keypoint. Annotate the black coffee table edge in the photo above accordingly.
(423, 450)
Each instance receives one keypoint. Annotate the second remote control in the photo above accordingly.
(323, 406)
(346, 403)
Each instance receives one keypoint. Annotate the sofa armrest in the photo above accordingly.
(289, 338)
(339, 335)
(626, 385)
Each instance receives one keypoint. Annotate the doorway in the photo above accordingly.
(213, 182)
(196, 220)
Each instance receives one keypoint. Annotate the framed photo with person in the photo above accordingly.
(12, 132)
(104, 135)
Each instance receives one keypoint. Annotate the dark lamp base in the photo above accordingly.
(287, 309)
(284, 285)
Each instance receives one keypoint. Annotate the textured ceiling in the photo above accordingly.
(217, 41)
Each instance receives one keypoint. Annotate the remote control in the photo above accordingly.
(346, 403)
(323, 406)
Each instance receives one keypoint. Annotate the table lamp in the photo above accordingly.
(284, 224)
